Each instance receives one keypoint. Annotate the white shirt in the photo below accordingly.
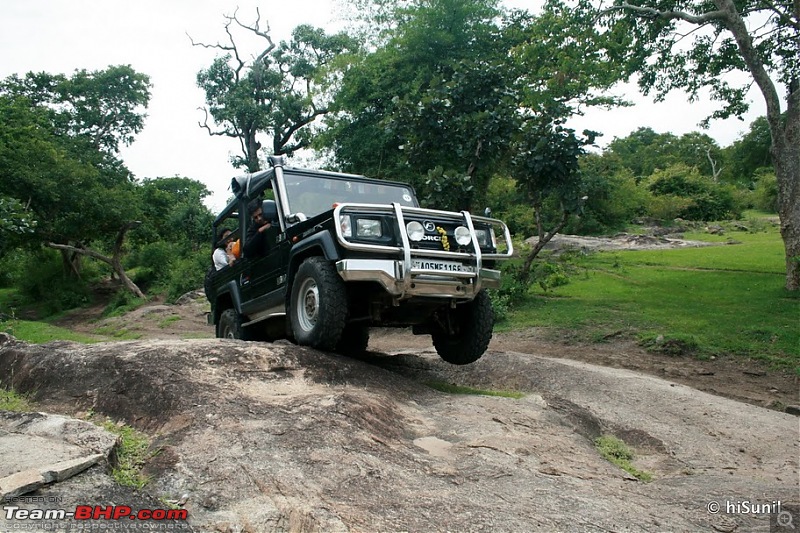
(220, 258)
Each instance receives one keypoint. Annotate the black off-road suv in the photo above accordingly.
(346, 253)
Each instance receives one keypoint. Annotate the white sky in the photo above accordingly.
(60, 36)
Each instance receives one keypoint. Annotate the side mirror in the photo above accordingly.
(269, 210)
(487, 212)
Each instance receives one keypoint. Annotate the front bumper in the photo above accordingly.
(402, 284)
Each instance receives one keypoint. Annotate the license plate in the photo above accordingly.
(443, 266)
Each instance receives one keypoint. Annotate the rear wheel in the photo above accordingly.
(318, 306)
(461, 335)
(230, 325)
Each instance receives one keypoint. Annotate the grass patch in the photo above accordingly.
(616, 451)
(122, 302)
(167, 321)
(13, 401)
(131, 453)
(41, 332)
(117, 333)
(721, 300)
(450, 388)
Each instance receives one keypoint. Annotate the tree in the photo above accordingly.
(547, 166)
(644, 151)
(750, 153)
(431, 103)
(449, 87)
(281, 92)
(58, 142)
(15, 223)
(172, 210)
(105, 108)
(759, 39)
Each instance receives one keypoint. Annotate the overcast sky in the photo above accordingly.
(60, 36)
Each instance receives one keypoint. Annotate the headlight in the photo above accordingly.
(346, 225)
(462, 236)
(367, 227)
(483, 237)
(415, 231)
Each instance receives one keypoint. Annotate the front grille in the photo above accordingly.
(439, 235)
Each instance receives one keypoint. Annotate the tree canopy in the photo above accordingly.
(280, 92)
(694, 46)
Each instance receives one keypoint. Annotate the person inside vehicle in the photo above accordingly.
(256, 240)
(221, 257)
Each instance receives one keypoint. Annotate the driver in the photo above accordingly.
(256, 240)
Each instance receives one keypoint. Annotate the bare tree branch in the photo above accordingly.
(649, 12)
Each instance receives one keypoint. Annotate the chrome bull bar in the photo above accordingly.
(404, 278)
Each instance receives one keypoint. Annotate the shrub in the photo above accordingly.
(152, 263)
(122, 302)
(510, 292)
(613, 201)
(187, 274)
(42, 280)
(765, 195)
(694, 196)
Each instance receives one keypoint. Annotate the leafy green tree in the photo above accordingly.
(172, 210)
(58, 155)
(280, 92)
(758, 39)
(15, 223)
(546, 166)
(104, 108)
(430, 105)
(644, 151)
(450, 85)
(750, 153)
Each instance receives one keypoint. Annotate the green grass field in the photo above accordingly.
(721, 300)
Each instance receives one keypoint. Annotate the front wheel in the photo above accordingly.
(318, 305)
(462, 335)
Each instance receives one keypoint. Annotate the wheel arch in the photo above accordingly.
(227, 298)
(322, 244)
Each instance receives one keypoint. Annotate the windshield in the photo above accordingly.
(312, 195)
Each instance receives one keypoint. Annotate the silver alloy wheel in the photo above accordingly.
(308, 308)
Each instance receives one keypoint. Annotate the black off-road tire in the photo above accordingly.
(230, 326)
(354, 341)
(318, 306)
(472, 325)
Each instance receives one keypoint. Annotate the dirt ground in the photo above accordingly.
(740, 379)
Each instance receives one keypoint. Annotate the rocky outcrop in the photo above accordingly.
(274, 437)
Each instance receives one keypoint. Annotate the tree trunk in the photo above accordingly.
(786, 157)
(71, 264)
(114, 261)
(544, 238)
(252, 146)
(785, 132)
